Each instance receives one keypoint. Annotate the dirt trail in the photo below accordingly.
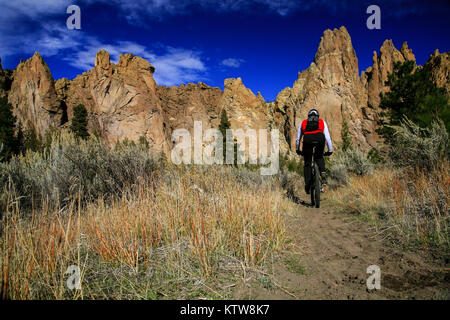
(331, 252)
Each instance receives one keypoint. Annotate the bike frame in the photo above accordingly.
(315, 183)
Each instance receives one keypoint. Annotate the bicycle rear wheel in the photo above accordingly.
(316, 186)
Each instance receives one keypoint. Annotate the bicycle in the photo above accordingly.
(316, 184)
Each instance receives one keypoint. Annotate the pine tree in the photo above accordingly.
(412, 94)
(80, 122)
(223, 126)
(224, 123)
(8, 141)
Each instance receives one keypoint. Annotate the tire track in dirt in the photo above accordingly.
(331, 252)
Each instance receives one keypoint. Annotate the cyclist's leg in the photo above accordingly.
(318, 154)
(307, 158)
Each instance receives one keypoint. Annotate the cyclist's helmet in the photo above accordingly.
(313, 112)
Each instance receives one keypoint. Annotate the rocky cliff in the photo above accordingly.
(374, 77)
(124, 102)
(121, 100)
(188, 103)
(33, 95)
(439, 66)
(185, 104)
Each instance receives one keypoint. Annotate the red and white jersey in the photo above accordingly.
(323, 128)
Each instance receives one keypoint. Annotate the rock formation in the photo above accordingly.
(188, 103)
(244, 109)
(374, 77)
(121, 100)
(33, 95)
(439, 66)
(185, 104)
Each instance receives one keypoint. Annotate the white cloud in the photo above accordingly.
(27, 26)
(49, 39)
(233, 63)
(178, 66)
(174, 66)
(32, 8)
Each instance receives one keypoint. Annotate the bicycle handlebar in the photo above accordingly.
(326, 154)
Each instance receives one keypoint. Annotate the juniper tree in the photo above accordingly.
(414, 95)
(8, 141)
(223, 127)
(80, 122)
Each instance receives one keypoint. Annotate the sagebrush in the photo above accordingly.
(71, 167)
(182, 232)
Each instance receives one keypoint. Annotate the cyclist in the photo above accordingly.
(314, 131)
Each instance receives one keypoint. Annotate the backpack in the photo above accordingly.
(313, 123)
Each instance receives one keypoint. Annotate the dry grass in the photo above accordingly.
(160, 241)
(414, 202)
(34, 253)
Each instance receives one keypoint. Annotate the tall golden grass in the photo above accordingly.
(414, 202)
(194, 219)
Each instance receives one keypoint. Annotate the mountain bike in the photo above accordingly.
(316, 183)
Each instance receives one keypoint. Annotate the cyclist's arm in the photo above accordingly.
(299, 136)
(327, 137)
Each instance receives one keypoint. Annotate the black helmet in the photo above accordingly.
(313, 112)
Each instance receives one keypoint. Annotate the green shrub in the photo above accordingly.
(375, 157)
(294, 165)
(352, 161)
(414, 146)
(69, 168)
(143, 142)
(291, 183)
(346, 137)
(31, 140)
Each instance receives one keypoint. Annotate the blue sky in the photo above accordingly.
(265, 42)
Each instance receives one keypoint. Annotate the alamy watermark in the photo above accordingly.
(374, 20)
(374, 280)
(74, 20)
(207, 147)
(74, 280)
